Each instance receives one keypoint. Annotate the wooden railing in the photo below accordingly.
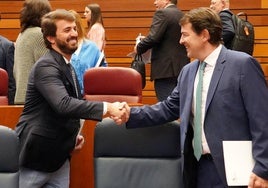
(123, 20)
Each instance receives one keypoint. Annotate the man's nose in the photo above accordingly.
(181, 40)
(74, 32)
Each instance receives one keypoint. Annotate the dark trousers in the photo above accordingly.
(163, 87)
(207, 175)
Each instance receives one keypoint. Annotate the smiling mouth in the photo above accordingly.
(72, 41)
(75, 40)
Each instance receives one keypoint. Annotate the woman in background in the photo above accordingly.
(30, 45)
(96, 31)
(87, 54)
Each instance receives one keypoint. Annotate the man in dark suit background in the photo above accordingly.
(222, 7)
(7, 63)
(167, 56)
(231, 80)
(49, 124)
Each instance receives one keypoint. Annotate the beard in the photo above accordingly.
(65, 47)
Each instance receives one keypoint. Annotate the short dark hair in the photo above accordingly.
(48, 24)
(204, 18)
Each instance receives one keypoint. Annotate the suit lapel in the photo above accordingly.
(191, 82)
(190, 91)
(216, 76)
(64, 67)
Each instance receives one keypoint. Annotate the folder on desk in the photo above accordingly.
(238, 161)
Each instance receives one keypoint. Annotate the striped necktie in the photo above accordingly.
(198, 114)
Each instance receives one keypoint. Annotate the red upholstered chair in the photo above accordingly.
(3, 87)
(113, 84)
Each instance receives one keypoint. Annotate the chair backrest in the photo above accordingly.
(137, 158)
(113, 84)
(3, 87)
(9, 158)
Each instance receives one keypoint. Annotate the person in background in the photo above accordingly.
(96, 31)
(87, 54)
(225, 110)
(222, 7)
(30, 44)
(49, 125)
(7, 63)
(167, 55)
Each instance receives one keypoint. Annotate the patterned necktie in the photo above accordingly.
(198, 114)
(74, 78)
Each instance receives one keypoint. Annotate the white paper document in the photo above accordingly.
(238, 161)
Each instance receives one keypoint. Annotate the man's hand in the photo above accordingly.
(80, 140)
(119, 112)
(257, 182)
(138, 39)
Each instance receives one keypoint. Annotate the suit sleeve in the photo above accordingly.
(54, 86)
(9, 68)
(157, 114)
(255, 87)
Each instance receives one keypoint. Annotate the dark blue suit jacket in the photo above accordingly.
(236, 109)
(7, 62)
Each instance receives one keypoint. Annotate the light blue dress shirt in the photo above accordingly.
(85, 57)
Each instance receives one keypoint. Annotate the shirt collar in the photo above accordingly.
(169, 5)
(211, 59)
(66, 60)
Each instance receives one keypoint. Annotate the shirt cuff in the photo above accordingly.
(104, 108)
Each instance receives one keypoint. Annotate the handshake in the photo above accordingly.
(118, 111)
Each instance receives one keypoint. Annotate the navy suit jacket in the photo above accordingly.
(7, 63)
(50, 119)
(236, 109)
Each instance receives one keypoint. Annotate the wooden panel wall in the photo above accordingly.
(123, 20)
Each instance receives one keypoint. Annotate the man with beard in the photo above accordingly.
(49, 124)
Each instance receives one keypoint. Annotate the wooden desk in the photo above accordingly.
(82, 161)
(9, 115)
